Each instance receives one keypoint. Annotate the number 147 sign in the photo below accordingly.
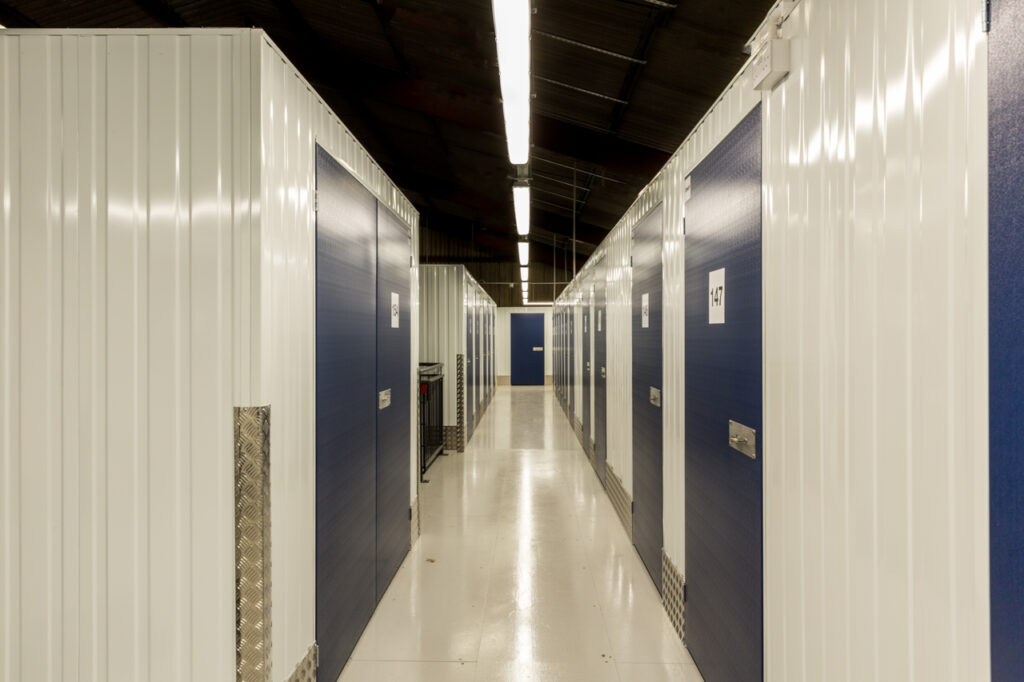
(716, 296)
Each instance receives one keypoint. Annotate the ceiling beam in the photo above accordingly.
(12, 18)
(162, 12)
(655, 19)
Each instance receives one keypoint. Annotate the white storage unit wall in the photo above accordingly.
(875, 393)
(158, 231)
(452, 304)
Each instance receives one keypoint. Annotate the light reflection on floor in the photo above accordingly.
(523, 571)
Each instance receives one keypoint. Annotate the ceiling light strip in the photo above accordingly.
(512, 35)
(521, 202)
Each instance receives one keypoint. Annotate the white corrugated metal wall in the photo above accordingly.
(441, 332)
(876, 400)
(145, 303)
(478, 304)
(293, 120)
(875, 224)
(124, 207)
(449, 297)
(620, 354)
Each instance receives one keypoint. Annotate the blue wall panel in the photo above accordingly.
(600, 375)
(526, 331)
(648, 529)
(468, 378)
(724, 609)
(393, 372)
(345, 412)
(571, 342)
(587, 366)
(1006, 339)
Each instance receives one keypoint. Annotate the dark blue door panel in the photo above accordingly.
(394, 374)
(468, 378)
(587, 367)
(1006, 339)
(647, 438)
(600, 375)
(572, 360)
(526, 334)
(478, 361)
(345, 412)
(723, 382)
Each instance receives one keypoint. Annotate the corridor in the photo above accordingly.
(522, 571)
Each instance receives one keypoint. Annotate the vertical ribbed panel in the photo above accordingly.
(449, 298)
(875, 241)
(620, 355)
(441, 333)
(673, 391)
(293, 119)
(139, 304)
(125, 181)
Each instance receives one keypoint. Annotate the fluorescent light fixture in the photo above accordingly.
(512, 34)
(524, 274)
(526, 287)
(524, 253)
(521, 200)
(547, 303)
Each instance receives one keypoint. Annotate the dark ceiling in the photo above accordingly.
(618, 84)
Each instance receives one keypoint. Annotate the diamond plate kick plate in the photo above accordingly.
(252, 544)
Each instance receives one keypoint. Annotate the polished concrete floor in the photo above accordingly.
(522, 572)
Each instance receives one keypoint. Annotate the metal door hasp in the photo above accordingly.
(743, 438)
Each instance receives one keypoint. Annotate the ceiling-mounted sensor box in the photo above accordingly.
(770, 65)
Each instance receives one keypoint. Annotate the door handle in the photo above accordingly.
(384, 399)
(603, 373)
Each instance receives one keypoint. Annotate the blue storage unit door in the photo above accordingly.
(1006, 340)
(587, 370)
(571, 342)
(648, 531)
(346, 315)
(526, 341)
(723, 391)
(467, 381)
(600, 375)
(394, 377)
(478, 360)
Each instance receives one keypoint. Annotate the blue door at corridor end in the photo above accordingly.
(724, 604)
(527, 349)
